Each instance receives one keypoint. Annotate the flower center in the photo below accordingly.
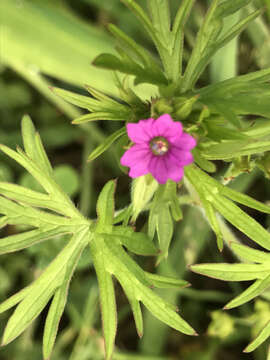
(159, 145)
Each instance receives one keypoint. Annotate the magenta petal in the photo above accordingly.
(138, 170)
(157, 168)
(174, 172)
(166, 127)
(140, 158)
(140, 132)
(137, 153)
(180, 157)
(185, 142)
(137, 159)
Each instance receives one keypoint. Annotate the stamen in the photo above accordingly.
(159, 145)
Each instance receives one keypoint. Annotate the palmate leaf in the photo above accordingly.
(126, 64)
(23, 206)
(45, 219)
(44, 287)
(163, 210)
(217, 195)
(109, 259)
(243, 272)
(210, 38)
(105, 108)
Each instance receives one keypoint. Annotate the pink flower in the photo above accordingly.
(160, 148)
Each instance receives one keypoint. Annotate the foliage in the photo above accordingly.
(228, 118)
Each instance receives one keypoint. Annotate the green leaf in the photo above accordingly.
(3, 221)
(229, 7)
(26, 239)
(57, 306)
(132, 46)
(233, 272)
(176, 210)
(82, 101)
(21, 215)
(28, 135)
(101, 115)
(30, 197)
(202, 162)
(15, 299)
(151, 74)
(161, 18)
(112, 62)
(124, 267)
(261, 128)
(136, 242)
(182, 15)
(256, 289)
(164, 207)
(135, 306)
(164, 282)
(106, 294)
(142, 191)
(209, 41)
(99, 95)
(263, 335)
(244, 199)
(141, 15)
(104, 109)
(44, 287)
(232, 149)
(121, 260)
(227, 113)
(218, 133)
(105, 206)
(164, 312)
(242, 221)
(207, 206)
(207, 33)
(236, 29)
(33, 145)
(45, 180)
(164, 227)
(212, 218)
(106, 144)
(42, 156)
(178, 37)
(218, 44)
(249, 254)
(237, 83)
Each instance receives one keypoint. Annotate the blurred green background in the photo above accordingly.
(47, 43)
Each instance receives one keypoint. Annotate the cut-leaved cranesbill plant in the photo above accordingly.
(51, 213)
(166, 143)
